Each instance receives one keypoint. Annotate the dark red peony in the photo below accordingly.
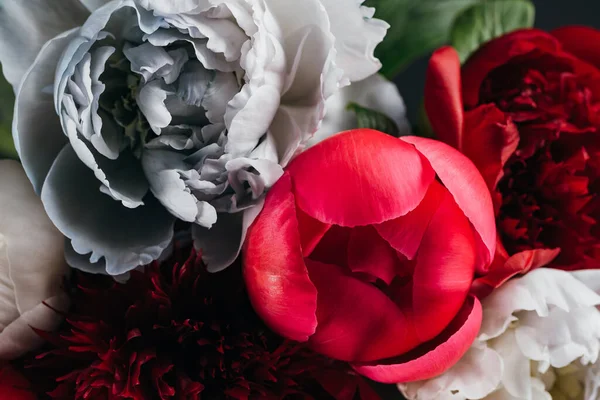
(178, 332)
(525, 109)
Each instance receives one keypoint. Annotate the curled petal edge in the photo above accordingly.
(432, 358)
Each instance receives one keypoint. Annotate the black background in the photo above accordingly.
(550, 14)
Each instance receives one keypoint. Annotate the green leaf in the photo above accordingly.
(7, 101)
(417, 27)
(483, 22)
(371, 119)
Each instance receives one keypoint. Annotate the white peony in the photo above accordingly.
(32, 265)
(539, 340)
(131, 114)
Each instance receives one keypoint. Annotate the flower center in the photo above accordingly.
(119, 102)
(550, 183)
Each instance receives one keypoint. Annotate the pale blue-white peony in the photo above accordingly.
(131, 114)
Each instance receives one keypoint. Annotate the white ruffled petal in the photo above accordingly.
(538, 291)
(357, 34)
(26, 25)
(475, 376)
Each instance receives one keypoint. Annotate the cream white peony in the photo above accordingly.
(131, 114)
(32, 265)
(539, 340)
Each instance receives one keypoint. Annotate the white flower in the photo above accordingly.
(160, 109)
(32, 265)
(539, 340)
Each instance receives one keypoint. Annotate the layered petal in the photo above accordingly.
(489, 139)
(356, 321)
(474, 376)
(443, 97)
(497, 52)
(34, 247)
(580, 41)
(381, 193)
(25, 26)
(357, 34)
(432, 358)
(464, 182)
(119, 239)
(445, 266)
(539, 291)
(276, 277)
(37, 130)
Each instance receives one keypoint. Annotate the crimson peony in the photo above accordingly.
(178, 332)
(525, 109)
(362, 253)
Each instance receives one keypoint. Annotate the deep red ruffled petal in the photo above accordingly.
(359, 177)
(405, 233)
(497, 52)
(311, 231)
(503, 269)
(444, 270)
(443, 96)
(357, 321)
(277, 280)
(432, 358)
(580, 41)
(13, 386)
(470, 192)
(490, 138)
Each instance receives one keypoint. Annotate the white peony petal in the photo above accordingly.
(376, 93)
(94, 4)
(516, 374)
(32, 265)
(34, 246)
(26, 25)
(222, 244)
(18, 338)
(475, 376)
(37, 130)
(357, 34)
(97, 225)
(537, 291)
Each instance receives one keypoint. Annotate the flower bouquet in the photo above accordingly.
(224, 199)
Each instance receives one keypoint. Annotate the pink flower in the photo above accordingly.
(361, 252)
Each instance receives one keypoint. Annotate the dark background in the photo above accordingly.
(550, 14)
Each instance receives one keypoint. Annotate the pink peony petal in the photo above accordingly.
(277, 280)
(357, 321)
(433, 358)
(470, 192)
(406, 232)
(444, 270)
(359, 177)
(370, 254)
(311, 231)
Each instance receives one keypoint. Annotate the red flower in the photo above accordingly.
(360, 251)
(177, 332)
(525, 109)
(13, 386)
